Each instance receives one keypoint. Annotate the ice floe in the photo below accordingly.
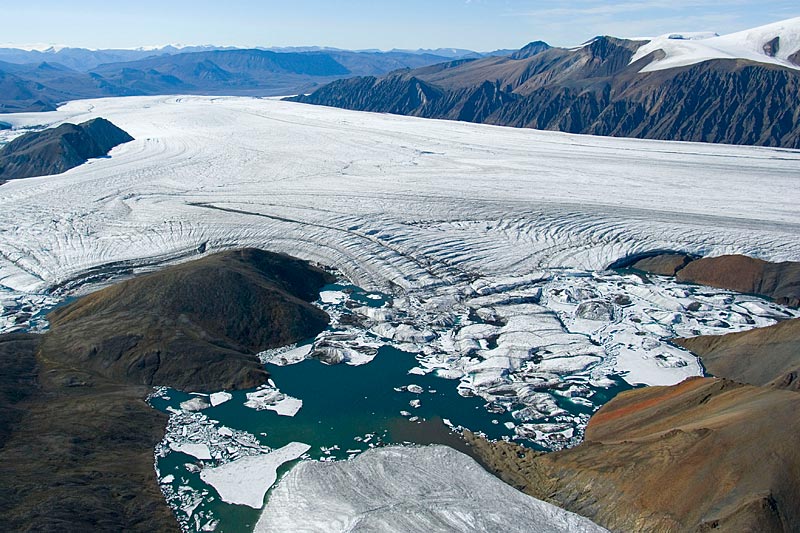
(246, 480)
(219, 398)
(269, 398)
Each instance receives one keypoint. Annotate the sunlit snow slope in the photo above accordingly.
(408, 490)
(773, 43)
(419, 203)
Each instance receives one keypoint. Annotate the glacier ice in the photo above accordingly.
(407, 489)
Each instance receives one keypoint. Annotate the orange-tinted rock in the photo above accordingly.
(705, 454)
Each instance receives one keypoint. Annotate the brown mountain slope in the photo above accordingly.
(593, 89)
(56, 150)
(778, 281)
(707, 454)
(764, 356)
(222, 309)
(76, 435)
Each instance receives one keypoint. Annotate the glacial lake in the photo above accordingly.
(346, 409)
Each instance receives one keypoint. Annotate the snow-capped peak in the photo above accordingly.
(772, 44)
(36, 47)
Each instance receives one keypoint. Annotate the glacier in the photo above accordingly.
(393, 202)
(481, 234)
(684, 49)
(408, 489)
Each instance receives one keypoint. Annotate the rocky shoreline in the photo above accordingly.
(709, 453)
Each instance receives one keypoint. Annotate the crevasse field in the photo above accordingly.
(485, 250)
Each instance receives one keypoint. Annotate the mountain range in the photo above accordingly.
(39, 81)
(740, 88)
(85, 59)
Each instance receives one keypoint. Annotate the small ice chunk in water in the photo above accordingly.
(195, 404)
(415, 389)
(332, 297)
(219, 398)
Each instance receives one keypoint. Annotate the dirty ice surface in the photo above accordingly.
(407, 490)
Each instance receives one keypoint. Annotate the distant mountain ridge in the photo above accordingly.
(85, 59)
(42, 85)
(605, 88)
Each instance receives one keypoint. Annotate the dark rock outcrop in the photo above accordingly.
(764, 356)
(595, 90)
(77, 437)
(706, 454)
(57, 150)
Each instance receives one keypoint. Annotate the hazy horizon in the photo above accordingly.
(481, 25)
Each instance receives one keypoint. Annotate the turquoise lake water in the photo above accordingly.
(343, 406)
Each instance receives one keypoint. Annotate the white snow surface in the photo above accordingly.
(683, 49)
(420, 203)
(197, 450)
(407, 489)
(245, 481)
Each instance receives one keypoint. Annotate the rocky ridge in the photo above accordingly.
(779, 282)
(650, 455)
(56, 150)
(598, 89)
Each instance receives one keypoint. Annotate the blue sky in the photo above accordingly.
(474, 24)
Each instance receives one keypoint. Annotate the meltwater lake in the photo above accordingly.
(346, 409)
